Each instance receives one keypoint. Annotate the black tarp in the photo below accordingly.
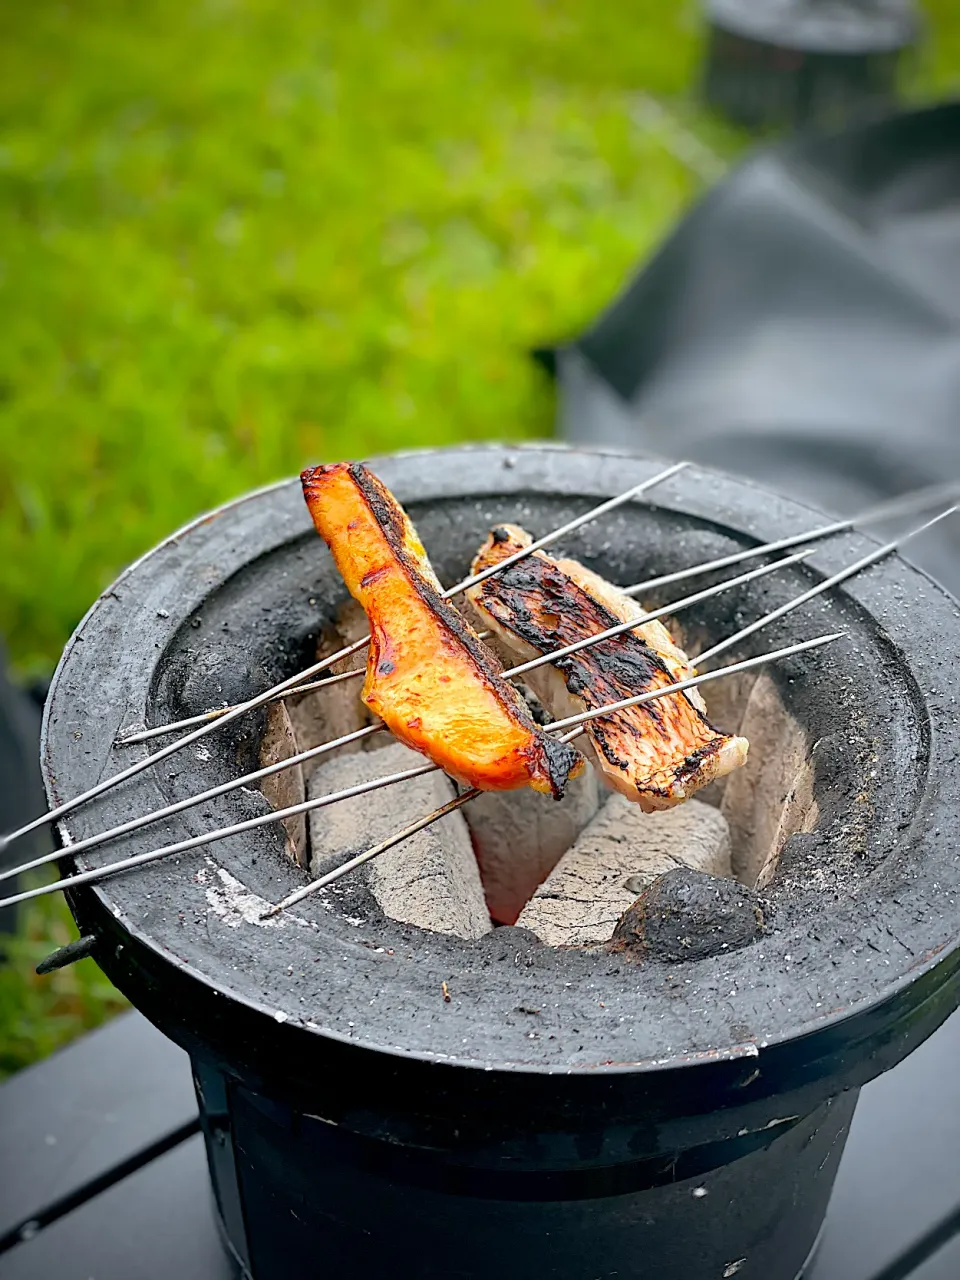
(801, 326)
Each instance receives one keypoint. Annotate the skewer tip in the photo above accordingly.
(827, 639)
(815, 643)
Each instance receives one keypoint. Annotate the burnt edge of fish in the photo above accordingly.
(609, 671)
(560, 760)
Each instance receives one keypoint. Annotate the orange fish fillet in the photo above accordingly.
(429, 677)
(657, 754)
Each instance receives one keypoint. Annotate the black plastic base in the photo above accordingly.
(299, 1196)
(115, 1099)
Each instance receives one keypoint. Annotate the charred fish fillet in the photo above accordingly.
(657, 754)
(429, 677)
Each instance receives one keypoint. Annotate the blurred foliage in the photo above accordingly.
(237, 236)
(37, 1015)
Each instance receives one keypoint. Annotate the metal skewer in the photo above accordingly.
(921, 500)
(233, 713)
(574, 723)
(168, 811)
(858, 565)
(679, 687)
(279, 815)
(96, 874)
(301, 757)
(864, 562)
(217, 713)
(358, 734)
(906, 505)
(633, 624)
(555, 535)
(369, 854)
(162, 730)
(692, 682)
(593, 514)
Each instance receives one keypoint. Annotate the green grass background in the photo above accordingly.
(239, 235)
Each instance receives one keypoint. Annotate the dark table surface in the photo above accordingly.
(103, 1174)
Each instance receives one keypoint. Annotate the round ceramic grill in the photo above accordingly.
(549, 1074)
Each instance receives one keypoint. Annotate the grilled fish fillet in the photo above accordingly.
(658, 754)
(429, 677)
(624, 608)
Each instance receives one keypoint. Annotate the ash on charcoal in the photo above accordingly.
(688, 915)
(520, 836)
(324, 714)
(726, 700)
(431, 879)
(798, 815)
(771, 797)
(286, 788)
(621, 851)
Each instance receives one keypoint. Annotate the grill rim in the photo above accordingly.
(604, 475)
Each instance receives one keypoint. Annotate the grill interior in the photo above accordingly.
(519, 838)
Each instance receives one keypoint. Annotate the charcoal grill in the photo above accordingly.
(676, 1120)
